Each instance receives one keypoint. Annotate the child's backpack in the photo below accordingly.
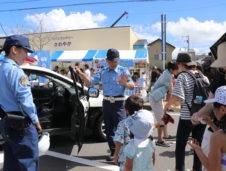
(200, 93)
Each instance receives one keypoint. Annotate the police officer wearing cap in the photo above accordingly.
(21, 144)
(114, 79)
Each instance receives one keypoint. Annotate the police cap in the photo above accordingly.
(17, 40)
(113, 55)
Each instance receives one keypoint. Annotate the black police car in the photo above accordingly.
(64, 105)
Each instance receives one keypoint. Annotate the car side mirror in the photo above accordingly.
(50, 84)
(93, 92)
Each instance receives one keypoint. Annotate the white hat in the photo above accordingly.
(142, 123)
(221, 56)
(220, 96)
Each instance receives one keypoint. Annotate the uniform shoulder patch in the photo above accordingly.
(23, 81)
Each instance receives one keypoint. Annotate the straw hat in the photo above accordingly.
(221, 56)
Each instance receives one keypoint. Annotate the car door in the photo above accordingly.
(78, 100)
(78, 120)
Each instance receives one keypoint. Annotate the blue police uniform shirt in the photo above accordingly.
(15, 90)
(108, 78)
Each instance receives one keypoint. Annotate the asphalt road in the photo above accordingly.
(63, 156)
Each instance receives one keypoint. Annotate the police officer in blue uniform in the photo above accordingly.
(114, 79)
(20, 142)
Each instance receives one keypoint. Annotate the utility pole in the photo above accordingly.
(163, 34)
(188, 42)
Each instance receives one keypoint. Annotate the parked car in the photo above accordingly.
(64, 105)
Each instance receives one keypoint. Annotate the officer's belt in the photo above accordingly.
(15, 115)
(113, 99)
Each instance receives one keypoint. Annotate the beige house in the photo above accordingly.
(122, 38)
(155, 53)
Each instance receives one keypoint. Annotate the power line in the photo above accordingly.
(24, 1)
(78, 4)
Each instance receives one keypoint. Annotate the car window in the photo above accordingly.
(42, 80)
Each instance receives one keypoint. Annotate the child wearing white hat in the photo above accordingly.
(216, 159)
(140, 152)
(122, 134)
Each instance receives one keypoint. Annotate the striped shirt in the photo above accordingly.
(184, 89)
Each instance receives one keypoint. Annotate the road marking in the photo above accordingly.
(77, 160)
(83, 161)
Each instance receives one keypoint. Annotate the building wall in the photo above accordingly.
(133, 38)
(121, 38)
(155, 54)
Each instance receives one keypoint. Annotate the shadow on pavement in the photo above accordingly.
(56, 164)
(172, 138)
(93, 157)
(171, 154)
(64, 144)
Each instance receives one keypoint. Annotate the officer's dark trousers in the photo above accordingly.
(21, 152)
(113, 114)
(185, 127)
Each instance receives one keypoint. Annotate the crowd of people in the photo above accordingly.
(84, 68)
(129, 127)
(133, 143)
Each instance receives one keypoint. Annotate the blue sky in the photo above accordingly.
(203, 20)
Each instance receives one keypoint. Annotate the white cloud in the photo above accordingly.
(144, 32)
(150, 38)
(201, 34)
(57, 20)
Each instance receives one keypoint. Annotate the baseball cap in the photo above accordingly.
(17, 40)
(185, 58)
(220, 96)
(141, 126)
(113, 55)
